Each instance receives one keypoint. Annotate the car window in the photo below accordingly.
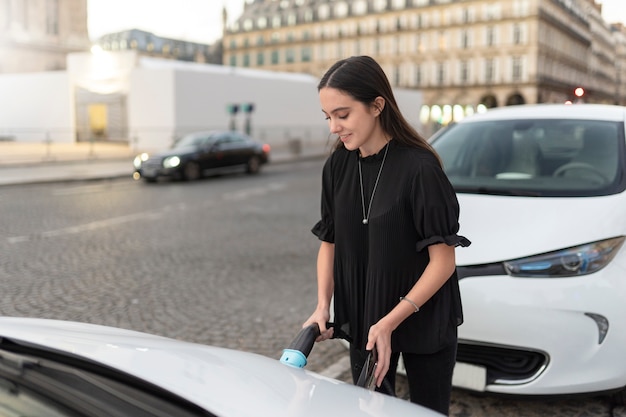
(533, 157)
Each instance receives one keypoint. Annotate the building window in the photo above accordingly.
(275, 37)
(341, 9)
(292, 19)
(275, 57)
(441, 73)
(260, 58)
(307, 54)
(52, 17)
(380, 5)
(260, 41)
(261, 22)
(489, 71)
(233, 61)
(517, 34)
(290, 55)
(323, 12)
(276, 21)
(398, 4)
(248, 25)
(464, 72)
(517, 68)
(490, 36)
(359, 7)
(464, 39)
(308, 15)
(418, 75)
(246, 60)
(397, 76)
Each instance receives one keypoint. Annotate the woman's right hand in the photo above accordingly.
(321, 317)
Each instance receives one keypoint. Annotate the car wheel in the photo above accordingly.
(191, 171)
(149, 179)
(254, 165)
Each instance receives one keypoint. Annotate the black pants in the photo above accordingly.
(429, 376)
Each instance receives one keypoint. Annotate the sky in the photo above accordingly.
(201, 20)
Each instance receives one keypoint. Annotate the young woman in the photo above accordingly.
(388, 231)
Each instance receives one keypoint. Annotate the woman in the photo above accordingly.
(388, 231)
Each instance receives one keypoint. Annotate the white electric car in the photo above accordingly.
(66, 369)
(543, 285)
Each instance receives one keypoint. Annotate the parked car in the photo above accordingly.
(542, 196)
(59, 369)
(200, 153)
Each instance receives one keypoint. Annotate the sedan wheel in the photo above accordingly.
(191, 171)
(254, 165)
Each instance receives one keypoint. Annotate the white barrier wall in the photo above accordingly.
(36, 107)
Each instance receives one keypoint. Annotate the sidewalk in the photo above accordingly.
(30, 163)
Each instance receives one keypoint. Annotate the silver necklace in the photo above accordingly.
(366, 216)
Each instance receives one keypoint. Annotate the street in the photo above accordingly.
(228, 261)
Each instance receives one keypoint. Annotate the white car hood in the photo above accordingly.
(224, 382)
(504, 227)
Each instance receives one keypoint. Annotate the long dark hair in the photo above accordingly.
(363, 79)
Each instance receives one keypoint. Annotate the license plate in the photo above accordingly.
(472, 377)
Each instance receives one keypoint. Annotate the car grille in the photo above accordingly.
(152, 163)
(504, 365)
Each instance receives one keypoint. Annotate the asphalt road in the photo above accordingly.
(228, 261)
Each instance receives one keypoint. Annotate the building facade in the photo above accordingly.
(37, 35)
(149, 44)
(464, 55)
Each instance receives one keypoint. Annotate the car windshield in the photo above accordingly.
(194, 139)
(533, 157)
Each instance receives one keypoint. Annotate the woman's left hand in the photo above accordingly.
(379, 336)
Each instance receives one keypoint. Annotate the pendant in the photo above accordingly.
(364, 221)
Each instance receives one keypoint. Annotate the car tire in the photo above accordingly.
(149, 179)
(254, 165)
(191, 171)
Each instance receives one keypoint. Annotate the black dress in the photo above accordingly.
(414, 206)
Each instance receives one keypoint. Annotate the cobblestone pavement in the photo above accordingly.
(226, 261)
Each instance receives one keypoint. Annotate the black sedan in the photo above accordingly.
(200, 153)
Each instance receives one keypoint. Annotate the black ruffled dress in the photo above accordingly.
(414, 206)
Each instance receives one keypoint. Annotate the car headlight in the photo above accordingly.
(140, 159)
(171, 162)
(579, 260)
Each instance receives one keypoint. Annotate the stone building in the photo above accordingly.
(149, 44)
(37, 35)
(464, 55)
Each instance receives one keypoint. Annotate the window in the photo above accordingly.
(307, 54)
(441, 73)
(247, 25)
(52, 17)
(276, 21)
(246, 60)
(380, 5)
(290, 55)
(359, 7)
(233, 60)
(398, 4)
(418, 75)
(517, 68)
(464, 72)
(261, 22)
(323, 12)
(517, 34)
(489, 70)
(490, 36)
(341, 9)
(464, 39)
(260, 58)
(275, 57)
(260, 41)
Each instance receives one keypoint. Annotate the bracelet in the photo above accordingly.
(411, 302)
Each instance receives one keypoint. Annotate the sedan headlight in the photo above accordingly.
(140, 159)
(571, 262)
(171, 162)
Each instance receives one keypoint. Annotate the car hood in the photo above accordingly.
(182, 151)
(223, 381)
(504, 227)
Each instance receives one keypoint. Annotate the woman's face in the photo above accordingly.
(355, 123)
